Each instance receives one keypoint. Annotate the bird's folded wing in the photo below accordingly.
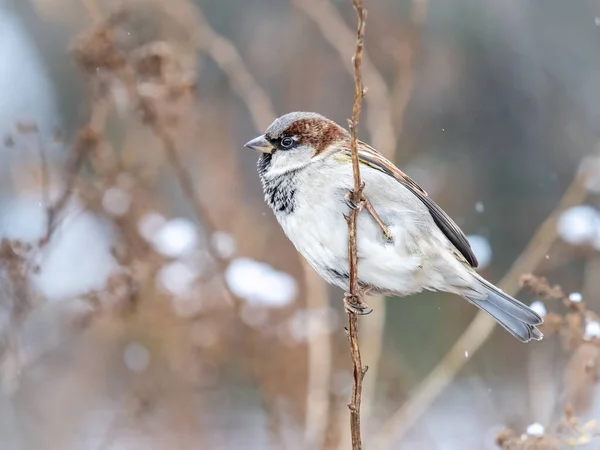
(371, 157)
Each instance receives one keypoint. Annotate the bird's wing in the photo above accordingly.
(372, 158)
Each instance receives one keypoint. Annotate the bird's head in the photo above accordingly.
(296, 140)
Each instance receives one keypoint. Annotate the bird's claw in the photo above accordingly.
(352, 204)
(364, 204)
(355, 305)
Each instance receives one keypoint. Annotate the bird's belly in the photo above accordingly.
(321, 236)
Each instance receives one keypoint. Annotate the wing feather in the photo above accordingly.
(371, 157)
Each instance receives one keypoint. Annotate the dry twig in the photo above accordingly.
(99, 48)
(357, 197)
(404, 83)
(227, 57)
(261, 109)
(384, 124)
(341, 37)
(319, 364)
(85, 142)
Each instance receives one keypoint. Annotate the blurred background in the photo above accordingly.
(148, 298)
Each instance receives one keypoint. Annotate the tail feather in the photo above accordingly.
(518, 319)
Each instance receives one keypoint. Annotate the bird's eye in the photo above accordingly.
(287, 142)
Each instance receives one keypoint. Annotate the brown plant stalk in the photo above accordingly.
(84, 144)
(357, 196)
(148, 115)
(378, 118)
(385, 117)
(225, 54)
(262, 112)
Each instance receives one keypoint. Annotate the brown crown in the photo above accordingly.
(318, 133)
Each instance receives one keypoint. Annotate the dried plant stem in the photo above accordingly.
(480, 329)
(227, 57)
(341, 37)
(85, 142)
(319, 364)
(149, 116)
(262, 111)
(356, 196)
(404, 83)
(384, 123)
(374, 330)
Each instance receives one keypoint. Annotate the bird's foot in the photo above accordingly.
(348, 198)
(366, 204)
(354, 303)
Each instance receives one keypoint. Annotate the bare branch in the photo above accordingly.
(404, 83)
(85, 142)
(356, 196)
(341, 37)
(262, 111)
(227, 57)
(319, 364)
(146, 110)
(374, 329)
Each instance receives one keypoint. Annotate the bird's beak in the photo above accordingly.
(261, 144)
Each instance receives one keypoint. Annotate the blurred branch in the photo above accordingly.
(101, 49)
(262, 111)
(227, 57)
(357, 196)
(319, 364)
(403, 85)
(84, 143)
(93, 9)
(374, 328)
(44, 173)
(224, 53)
(383, 116)
(341, 37)
(480, 329)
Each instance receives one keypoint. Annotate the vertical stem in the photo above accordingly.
(359, 371)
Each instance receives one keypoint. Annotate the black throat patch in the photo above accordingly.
(280, 191)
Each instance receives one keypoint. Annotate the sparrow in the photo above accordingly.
(406, 243)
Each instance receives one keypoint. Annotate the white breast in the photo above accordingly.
(319, 231)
